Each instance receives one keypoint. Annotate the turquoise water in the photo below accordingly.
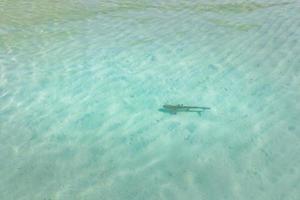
(82, 82)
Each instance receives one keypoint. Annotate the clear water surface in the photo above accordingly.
(82, 82)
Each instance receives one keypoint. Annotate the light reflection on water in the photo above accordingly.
(82, 84)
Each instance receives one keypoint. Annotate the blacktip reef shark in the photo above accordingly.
(174, 109)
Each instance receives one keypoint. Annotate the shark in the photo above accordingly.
(174, 109)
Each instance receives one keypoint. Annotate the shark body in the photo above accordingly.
(173, 109)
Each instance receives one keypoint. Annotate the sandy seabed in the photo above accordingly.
(82, 82)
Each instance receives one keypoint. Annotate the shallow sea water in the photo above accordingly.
(82, 82)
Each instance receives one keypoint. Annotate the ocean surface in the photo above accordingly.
(82, 83)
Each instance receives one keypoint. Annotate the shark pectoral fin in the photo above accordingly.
(199, 113)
